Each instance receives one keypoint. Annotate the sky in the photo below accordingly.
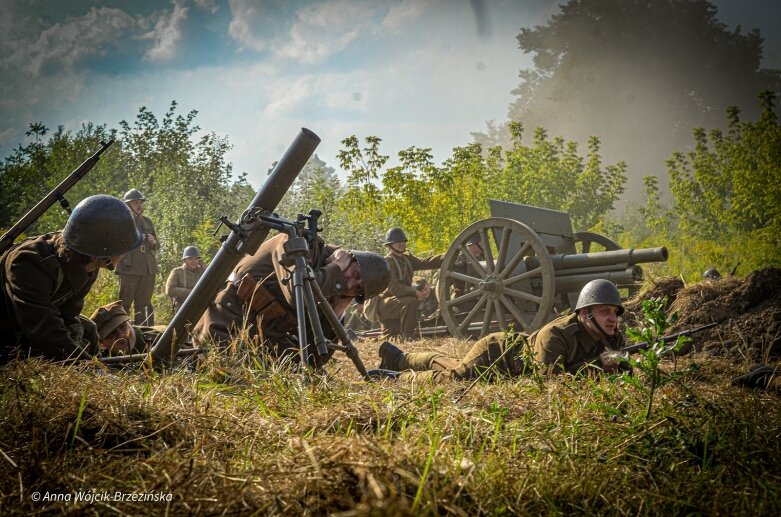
(426, 73)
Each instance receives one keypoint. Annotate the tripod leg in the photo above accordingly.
(298, 290)
(348, 346)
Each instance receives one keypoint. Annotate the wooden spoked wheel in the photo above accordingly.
(512, 283)
(590, 242)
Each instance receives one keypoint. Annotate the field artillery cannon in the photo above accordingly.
(530, 270)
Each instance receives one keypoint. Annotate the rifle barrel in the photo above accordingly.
(8, 238)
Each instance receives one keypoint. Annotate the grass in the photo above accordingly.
(238, 439)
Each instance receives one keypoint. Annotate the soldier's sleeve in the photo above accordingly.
(420, 264)
(329, 277)
(172, 285)
(550, 348)
(49, 329)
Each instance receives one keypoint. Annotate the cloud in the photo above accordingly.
(63, 45)
(399, 15)
(207, 5)
(322, 30)
(313, 33)
(167, 34)
(249, 18)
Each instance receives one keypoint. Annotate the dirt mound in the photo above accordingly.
(748, 313)
(666, 286)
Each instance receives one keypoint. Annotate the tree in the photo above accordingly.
(33, 170)
(728, 189)
(185, 180)
(638, 74)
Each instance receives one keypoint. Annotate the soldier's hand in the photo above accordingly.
(151, 239)
(342, 258)
(611, 360)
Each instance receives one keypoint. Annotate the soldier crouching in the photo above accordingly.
(45, 279)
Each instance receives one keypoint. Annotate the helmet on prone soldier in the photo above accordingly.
(600, 292)
(101, 226)
(375, 274)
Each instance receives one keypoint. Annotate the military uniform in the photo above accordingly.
(137, 272)
(563, 344)
(180, 282)
(486, 355)
(255, 289)
(398, 305)
(42, 296)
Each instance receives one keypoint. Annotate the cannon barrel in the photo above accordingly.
(235, 247)
(575, 282)
(609, 258)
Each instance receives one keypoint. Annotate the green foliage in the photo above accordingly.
(647, 361)
(186, 181)
(727, 191)
(33, 170)
(183, 178)
(551, 174)
(433, 204)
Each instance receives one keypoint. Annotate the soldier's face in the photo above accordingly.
(191, 262)
(475, 249)
(137, 206)
(606, 316)
(118, 342)
(354, 279)
(398, 247)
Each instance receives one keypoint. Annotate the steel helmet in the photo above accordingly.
(600, 292)
(132, 195)
(190, 251)
(375, 274)
(395, 235)
(101, 226)
(711, 274)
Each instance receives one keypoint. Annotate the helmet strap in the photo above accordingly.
(594, 322)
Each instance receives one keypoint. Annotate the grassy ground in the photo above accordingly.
(235, 438)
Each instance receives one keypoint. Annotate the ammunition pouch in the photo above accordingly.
(261, 301)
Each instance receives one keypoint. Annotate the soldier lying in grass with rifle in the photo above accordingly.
(588, 337)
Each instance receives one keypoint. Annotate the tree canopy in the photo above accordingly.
(638, 74)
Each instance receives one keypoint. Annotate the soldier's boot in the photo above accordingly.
(390, 356)
(760, 377)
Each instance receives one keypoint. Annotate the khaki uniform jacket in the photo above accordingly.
(42, 296)
(402, 269)
(181, 281)
(225, 316)
(564, 343)
(141, 261)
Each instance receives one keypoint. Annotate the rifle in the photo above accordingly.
(8, 238)
(642, 346)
